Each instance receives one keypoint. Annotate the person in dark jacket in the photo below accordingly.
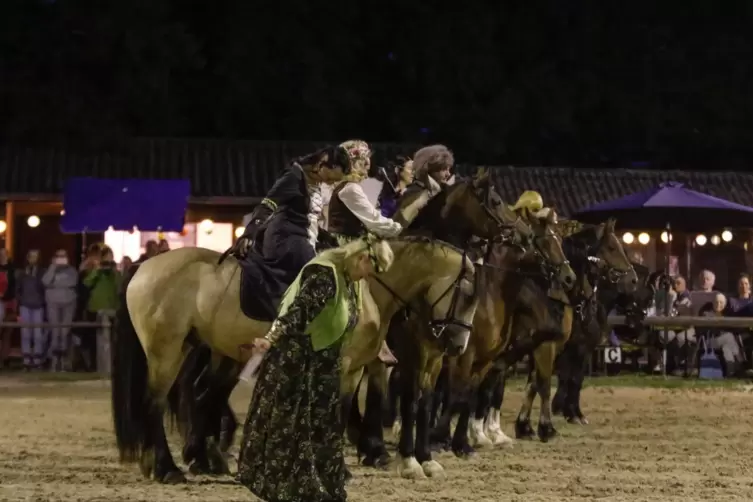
(30, 292)
(284, 229)
(395, 179)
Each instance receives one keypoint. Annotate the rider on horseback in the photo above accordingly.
(352, 215)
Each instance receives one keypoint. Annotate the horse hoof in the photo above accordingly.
(546, 432)
(523, 430)
(478, 436)
(199, 468)
(583, 420)
(174, 478)
(465, 451)
(409, 468)
(378, 462)
(433, 469)
(499, 438)
(573, 420)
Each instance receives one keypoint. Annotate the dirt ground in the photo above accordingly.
(56, 443)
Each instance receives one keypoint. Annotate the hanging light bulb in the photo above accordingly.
(628, 238)
(33, 221)
(715, 240)
(726, 236)
(644, 238)
(665, 237)
(700, 239)
(206, 226)
(3, 226)
(239, 232)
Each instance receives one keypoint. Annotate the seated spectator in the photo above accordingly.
(61, 283)
(104, 286)
(30, 294)
(706, 281)
(743, 301)
(725, 341)
(678, 340)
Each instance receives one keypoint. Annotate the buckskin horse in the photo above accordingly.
(158, 344)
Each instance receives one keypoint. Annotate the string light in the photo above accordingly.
(628, 238)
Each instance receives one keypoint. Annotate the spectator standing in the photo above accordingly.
(61, 283)
(104, 284)
(7, 298)
(125, 264)
(151, 249)
(163, 246)
(30, 294)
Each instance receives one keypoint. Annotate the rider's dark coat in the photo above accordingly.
(281, 227)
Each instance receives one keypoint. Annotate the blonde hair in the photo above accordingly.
(359, 154)
(378, 249)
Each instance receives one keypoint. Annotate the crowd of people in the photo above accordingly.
(58, 293)
(683, 344)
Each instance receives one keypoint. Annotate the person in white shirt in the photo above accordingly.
(352, 215)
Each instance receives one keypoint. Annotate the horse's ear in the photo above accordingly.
(600, 230)
(611, 224)
(482, 176)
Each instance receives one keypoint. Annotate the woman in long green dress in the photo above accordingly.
(292, 447)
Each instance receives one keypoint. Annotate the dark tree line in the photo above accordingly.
(538, 82)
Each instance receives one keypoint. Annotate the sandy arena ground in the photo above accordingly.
(56, 443)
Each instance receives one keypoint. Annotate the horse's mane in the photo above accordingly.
(421, 244)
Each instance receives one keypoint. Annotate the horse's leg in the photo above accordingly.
(560, 399)
(195, 389)
(408, 467)
(460, 445)
(429, 378)
(494, 409)
(371, 439)
(438, 397)
(523, 429)
(163, 370)
(440, 435)
(578, 377)
(393, 394)
(544, 357)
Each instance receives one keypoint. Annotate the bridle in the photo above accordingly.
(439, 326)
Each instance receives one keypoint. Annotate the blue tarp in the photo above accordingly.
(95, 204)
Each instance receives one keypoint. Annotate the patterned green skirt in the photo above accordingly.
(292, 447)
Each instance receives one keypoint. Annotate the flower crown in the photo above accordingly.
(357, 149)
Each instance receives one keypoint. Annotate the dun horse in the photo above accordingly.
(184, 297)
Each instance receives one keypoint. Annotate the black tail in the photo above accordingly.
(129, 378)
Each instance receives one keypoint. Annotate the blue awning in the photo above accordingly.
(95, 204)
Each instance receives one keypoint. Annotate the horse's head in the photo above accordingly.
(465, 205)
(547, 246)
(611, 259)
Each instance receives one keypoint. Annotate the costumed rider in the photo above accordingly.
(283, 232)
(432, 166)
(285, 226)
(351, 215)
(532, 201)
(395, 180)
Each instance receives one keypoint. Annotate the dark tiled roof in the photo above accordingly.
(571, 189)
(216, 168)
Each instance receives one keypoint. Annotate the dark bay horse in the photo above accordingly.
(595, 251)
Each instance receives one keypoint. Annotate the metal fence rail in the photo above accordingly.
(103, 334)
